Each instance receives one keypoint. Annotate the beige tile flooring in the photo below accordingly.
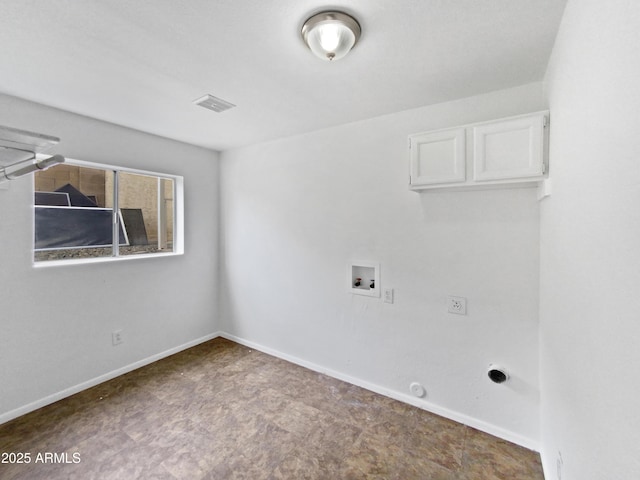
(224, 411)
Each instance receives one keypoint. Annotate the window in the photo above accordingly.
(81, 208)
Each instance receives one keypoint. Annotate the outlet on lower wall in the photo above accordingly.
(457, 305)
(116, 337)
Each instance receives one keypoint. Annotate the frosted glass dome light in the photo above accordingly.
(330, 35)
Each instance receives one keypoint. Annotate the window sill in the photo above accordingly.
(85, 261)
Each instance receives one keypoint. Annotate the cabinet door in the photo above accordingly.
(438, 157)
(509, 148)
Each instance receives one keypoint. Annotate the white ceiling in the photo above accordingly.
(141, 63)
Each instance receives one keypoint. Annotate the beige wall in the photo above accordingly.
(140, 191)
(88, 180)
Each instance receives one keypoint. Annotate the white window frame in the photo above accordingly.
(178, 216)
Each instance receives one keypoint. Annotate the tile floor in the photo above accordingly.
(224, 411)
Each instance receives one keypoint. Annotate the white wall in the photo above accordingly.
(295, 211)
(48, 344)
(590, 247)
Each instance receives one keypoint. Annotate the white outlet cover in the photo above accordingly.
(457, 305)
(116, 337)
(387, 295)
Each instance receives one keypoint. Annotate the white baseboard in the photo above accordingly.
(67, 392)
(402, 397)
(545, 473)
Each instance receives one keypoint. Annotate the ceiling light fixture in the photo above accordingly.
(330, 35)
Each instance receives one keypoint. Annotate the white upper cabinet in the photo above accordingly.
(511, 148)
(438, 157)
(501, 152)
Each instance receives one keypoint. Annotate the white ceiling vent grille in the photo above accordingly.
(213, 103)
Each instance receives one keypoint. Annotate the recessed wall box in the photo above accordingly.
(364, 278)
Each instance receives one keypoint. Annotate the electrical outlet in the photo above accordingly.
(457, 305)
(387, 295)
(116, 337)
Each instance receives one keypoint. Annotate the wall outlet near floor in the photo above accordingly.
(116, 337)
(457, 305)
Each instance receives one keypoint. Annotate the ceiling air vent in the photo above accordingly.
(213, 103)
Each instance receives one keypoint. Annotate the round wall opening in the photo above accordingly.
(497, 374)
